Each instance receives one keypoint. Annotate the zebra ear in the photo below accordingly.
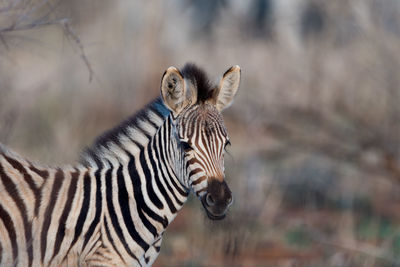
(173, 90)
(227, 89)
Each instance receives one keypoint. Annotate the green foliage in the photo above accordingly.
(372, 228)
(396, 245)
(298, 237)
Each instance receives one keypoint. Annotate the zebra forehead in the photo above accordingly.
(205, 118)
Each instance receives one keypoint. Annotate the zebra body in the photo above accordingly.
(113, 207)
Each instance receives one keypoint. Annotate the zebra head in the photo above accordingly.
(200, 133)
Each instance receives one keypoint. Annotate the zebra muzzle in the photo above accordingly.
(217, 199)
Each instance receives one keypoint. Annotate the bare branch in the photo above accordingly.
(35, 24)
(74, 37)
(353, 146)
(25, 13)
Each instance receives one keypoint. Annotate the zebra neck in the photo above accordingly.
(142, 171)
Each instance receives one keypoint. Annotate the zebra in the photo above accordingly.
(113, 206)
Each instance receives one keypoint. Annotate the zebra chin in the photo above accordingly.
(210, 214)
(217, 200)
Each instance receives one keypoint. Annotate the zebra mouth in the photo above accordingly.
(210, 214)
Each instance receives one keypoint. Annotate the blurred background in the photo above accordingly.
(314, 164)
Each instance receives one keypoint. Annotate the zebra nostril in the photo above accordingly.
(210, 200)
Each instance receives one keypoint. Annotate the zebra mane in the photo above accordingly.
(93, 152)
(205, 89)
(191, 72)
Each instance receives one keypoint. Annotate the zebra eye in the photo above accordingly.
(186, 146)
(228, 143)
